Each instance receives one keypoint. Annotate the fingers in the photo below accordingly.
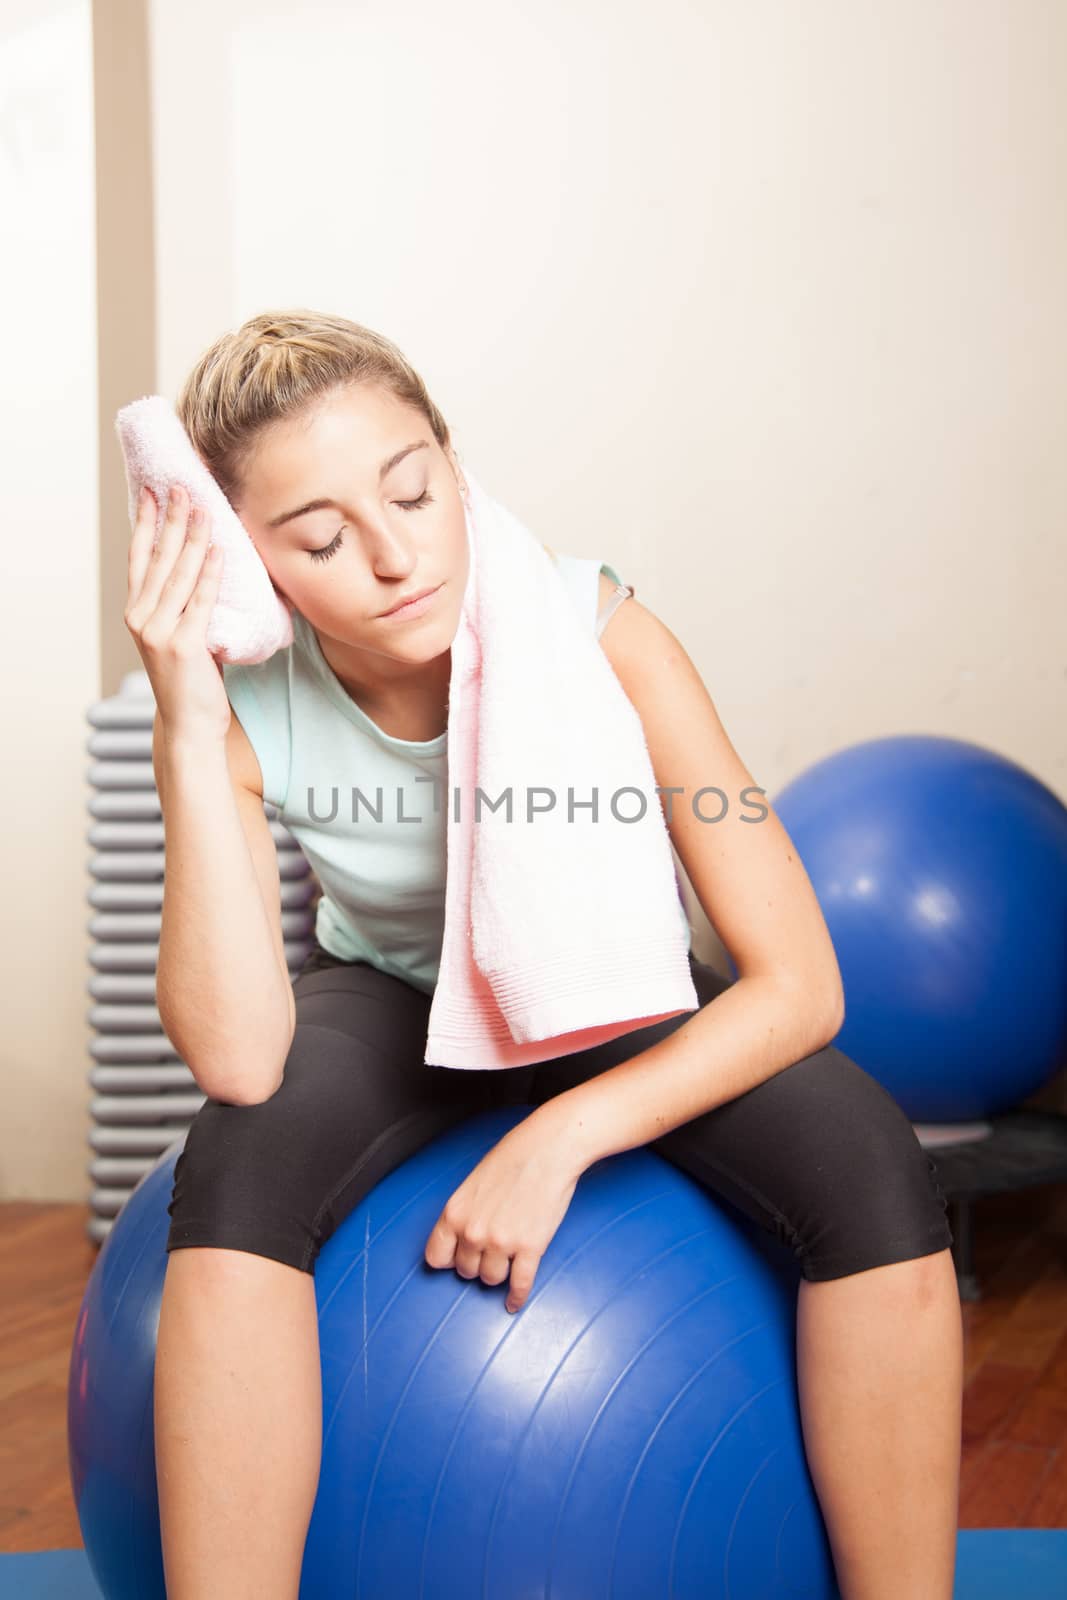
(493, 1267)
(523, 1272)
(183, 606)
(169, 576)
(491, 1264)
(441, 1245)
(197, 613)
(487, 1261)
(175, 568)
(468, 1259)
(146, 578)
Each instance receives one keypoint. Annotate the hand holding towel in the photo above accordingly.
(249, 620)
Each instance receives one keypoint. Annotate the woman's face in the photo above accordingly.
(387, 522)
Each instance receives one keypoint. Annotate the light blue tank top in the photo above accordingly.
(367, 809)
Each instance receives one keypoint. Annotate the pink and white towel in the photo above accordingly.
(561, 931)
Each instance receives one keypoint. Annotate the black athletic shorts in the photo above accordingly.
(819, 1154)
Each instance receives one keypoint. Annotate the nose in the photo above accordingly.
(392, 553)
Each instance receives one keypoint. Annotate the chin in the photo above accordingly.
(433, 643)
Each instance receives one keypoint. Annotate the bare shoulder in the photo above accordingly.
(685, 736)
(635, 640)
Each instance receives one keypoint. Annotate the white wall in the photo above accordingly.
(49, 644)
(760, 302)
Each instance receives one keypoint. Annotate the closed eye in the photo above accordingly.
(334, 545)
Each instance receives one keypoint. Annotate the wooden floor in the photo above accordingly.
(1014, 1470)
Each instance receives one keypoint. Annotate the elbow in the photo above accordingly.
(252, 1095)
(818, 1008)
(240, 1087)
(837, 1022)
(827, 986)
(245, 1085)
(833, 1013)
(248, 1081)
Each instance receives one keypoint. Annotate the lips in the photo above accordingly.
(420, 594)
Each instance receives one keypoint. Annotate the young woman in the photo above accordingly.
(342, 470)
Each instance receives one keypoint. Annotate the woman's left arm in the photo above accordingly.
(786, 1003)
(788, 999)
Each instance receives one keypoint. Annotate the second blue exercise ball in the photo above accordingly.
(632, 1433)
(941, 870)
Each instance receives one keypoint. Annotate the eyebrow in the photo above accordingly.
(383, 472)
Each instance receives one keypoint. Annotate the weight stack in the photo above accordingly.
(144, 1095)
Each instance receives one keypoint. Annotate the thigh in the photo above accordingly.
(382, 1023)
(356, 1099)
(819, 1153)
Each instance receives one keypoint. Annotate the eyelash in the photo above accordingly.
(335, 544)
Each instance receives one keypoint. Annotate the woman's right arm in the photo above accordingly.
(222, 984)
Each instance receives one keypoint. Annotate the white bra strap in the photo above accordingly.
(622, 592)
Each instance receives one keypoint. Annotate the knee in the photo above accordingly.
(876, 1197)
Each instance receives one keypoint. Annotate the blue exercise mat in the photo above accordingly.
(1005, 1564)
(991, 1564)
(47, 1575)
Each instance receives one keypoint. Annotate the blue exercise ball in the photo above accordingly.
(633, 1432)
(941, 870)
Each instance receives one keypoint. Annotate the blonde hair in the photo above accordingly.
(275, 365)
(272, 367)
